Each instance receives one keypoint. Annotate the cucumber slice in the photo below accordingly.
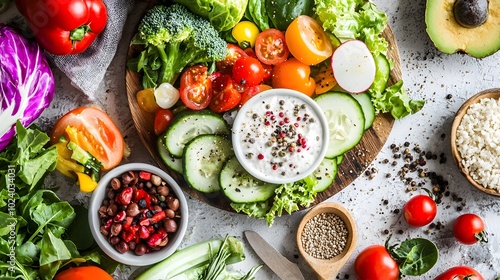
(346, 121)
(203, 159)
(241, 187)
(325, 174)
(382, 74)
(171, 161)
(365, 100)
(339, 159)
(189, 124)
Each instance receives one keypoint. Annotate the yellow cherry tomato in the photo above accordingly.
(307, 41)
(146, 100)
(245, 32)
(86, 183)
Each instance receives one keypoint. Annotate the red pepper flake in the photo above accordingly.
(291, 149)
(260, 156)
(267, 123)
(296, 124)
(287, 120)
(275, 167)
(281, 122)
(269, 113)
(282, 135)
(281, 114)
(299, 118)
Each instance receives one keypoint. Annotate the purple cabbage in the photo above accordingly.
(26, 82)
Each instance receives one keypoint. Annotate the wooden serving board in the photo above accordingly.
(353, 165)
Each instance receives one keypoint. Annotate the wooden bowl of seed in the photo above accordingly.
(326, 238)
(475, 141)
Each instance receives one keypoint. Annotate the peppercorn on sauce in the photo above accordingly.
(280, 136)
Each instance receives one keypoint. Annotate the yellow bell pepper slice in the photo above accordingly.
(86, 183)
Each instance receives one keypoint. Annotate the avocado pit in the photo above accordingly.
(470, 13)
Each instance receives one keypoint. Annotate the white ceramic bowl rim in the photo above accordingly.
(252, 102)
(130, 258)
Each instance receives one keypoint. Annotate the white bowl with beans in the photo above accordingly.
(138, 214)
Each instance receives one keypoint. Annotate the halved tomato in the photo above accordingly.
(226, 95)
(307, 41)
(196, 87)
(270, 47)
(94, 131)
(234, 52)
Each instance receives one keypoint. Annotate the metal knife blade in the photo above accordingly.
(280, 265)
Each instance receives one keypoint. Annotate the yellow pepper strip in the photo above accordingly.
(65, 164)
(86, 183)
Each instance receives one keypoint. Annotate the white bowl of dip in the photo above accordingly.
(280, 136)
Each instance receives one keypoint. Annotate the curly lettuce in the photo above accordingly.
(289, 198)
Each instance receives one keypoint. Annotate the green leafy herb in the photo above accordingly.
(33, 221)
(415, 256)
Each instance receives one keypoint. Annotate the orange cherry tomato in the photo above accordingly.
(307, 41)
(270, 47)
(146, 100)
(83, 273)
(293, 74)
(93, 131)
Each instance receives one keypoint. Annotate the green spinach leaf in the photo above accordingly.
(415, 256)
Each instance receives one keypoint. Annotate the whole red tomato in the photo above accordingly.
(460, 273)
(375, 263)
(248, 71)
(469, 229)
(163, 118)
(420, 210)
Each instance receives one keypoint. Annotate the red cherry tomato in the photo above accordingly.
(234, 52)
(252, 91)
(460, 273)
(268, 69)
(248, 71)
(375, 263)
(270, 47)
(163, 118)
(293, 74)
(420, 210)
(196, 87)
(226, 96)
(469, 229)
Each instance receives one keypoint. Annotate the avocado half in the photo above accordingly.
(450, 37)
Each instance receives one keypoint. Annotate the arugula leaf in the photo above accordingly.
(53, 249)
(56, 217)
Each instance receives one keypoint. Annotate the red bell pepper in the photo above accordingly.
(64, 27)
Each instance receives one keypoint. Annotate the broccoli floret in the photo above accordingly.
(174, 38)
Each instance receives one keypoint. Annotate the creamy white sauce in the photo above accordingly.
(280, 136)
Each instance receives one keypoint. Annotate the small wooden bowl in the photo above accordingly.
(490, 93)
(329, 268)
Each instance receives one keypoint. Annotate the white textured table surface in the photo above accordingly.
(444, 81)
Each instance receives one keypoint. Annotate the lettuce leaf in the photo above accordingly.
(289, 198)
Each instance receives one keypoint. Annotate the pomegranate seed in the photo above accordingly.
(281, 122)
(296, 124)
(287, 120)
(275, 167)
(260, 156)
(281, 114)
(267, 123)
(299, 118)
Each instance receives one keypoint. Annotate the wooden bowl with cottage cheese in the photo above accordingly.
(475, 141)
